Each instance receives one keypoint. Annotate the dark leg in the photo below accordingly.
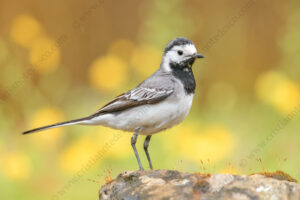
(146, 145)
(133, 141)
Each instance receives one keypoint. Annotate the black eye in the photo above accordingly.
(179, 52)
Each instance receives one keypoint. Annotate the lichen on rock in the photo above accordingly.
(174, 185)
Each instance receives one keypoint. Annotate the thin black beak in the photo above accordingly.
(197, 55)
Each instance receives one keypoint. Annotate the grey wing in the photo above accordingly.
(135, 97)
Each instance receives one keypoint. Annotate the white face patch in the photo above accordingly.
(178, 54)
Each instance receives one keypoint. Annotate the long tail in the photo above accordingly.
(72, 122)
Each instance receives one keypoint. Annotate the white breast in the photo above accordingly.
(183, 108)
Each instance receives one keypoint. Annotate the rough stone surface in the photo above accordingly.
(173, 185)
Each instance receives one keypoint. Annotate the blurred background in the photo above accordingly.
(61, 60)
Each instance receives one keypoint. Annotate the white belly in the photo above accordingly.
(150, 118)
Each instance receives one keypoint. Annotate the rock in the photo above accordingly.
(174, 185)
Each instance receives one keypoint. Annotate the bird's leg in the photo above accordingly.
(133, 141)
(146, 145)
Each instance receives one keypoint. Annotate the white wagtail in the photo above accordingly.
(160, 102)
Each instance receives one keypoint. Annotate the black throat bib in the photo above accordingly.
(185, 74)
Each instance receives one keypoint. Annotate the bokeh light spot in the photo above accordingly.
(44, 55)
(279, 91)
(25, 29)
(45, 116)
(213, 143)
(78, 153)
(16, 166)
(108, 73)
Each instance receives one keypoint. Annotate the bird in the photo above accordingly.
(160, 102)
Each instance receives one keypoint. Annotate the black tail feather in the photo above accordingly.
(76, 121)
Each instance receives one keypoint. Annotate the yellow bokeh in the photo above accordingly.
(120, 148)
(115, 144)
(1, 149)
(146, 59)
(122, 48)
(44, 55)
(213, 143)
(78, 153)
(108, 73)
(230, 170)
(25, 29)
(45, 116)
(15, 166)
(279, 91)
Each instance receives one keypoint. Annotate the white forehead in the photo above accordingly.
(187, 48)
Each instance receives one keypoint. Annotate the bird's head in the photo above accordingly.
(179, 52)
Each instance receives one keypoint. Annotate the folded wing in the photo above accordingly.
(135, 97)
